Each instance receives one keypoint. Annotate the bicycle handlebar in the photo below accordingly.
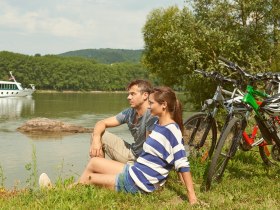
(270, 76)
(215, 75)
(256, 77)
(235, 67)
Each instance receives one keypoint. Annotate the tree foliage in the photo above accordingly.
(244, 31)
(69, 73)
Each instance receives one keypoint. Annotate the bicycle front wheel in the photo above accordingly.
(200, 135)
(226, 148)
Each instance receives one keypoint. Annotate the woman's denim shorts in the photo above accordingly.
(124, 183)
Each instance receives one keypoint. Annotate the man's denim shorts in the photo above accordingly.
(124, 183)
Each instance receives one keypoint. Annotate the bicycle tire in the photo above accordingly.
(225, 149)
(270, 155)
(200, 135)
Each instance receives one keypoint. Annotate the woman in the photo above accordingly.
(162, 151)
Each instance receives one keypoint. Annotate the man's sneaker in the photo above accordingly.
(44, 181)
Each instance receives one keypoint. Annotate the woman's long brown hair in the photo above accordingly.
(174, 106)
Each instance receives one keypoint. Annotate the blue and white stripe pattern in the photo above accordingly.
(162, 150)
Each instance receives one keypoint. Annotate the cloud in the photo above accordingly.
(38, 22)
(55, 26)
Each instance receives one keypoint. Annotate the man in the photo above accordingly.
(139, 121)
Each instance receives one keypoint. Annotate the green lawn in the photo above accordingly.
(247, 184)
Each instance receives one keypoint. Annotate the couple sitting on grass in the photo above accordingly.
(143, 166)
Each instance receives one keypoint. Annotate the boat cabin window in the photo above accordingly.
(8, 87)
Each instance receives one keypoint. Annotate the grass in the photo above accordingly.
(247, 184)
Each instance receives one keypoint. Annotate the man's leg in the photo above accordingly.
(116, 148)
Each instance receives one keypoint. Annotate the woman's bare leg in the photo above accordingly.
(100, 171)
(103, 180)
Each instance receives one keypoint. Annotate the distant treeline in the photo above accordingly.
(52, 72)
(107, 55)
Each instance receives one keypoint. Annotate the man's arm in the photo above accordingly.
(99, 129)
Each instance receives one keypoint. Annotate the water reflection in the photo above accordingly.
(47, 136)
(73, 105)
(11, 108)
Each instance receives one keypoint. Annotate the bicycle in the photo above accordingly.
(201, 128)
(232, 135)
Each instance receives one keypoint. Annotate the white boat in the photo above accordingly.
(14, 88)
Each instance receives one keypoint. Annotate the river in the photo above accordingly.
(58, 156)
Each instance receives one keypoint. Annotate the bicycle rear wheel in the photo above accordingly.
(270, 155)
(226, 148)
(200, 135)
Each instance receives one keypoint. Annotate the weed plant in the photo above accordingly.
(2, 178)
(32, 180)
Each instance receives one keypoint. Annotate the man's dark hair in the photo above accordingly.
(143, 85)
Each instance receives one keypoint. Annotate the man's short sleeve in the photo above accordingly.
(123, 116)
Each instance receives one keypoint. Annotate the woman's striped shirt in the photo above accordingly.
(162, 150)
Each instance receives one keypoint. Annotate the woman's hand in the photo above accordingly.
(193, 200)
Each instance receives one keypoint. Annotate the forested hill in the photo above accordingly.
(107, 55)
(51, 72)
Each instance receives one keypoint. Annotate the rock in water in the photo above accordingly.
(50, 125)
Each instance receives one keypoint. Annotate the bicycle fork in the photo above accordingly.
(238, 137)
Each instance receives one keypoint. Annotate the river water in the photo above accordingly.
(58, 156)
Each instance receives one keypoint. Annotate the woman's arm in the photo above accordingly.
(186, 178)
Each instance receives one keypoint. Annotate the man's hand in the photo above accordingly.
(99, 129)
(96, 149)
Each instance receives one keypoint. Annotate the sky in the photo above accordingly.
(58, 26)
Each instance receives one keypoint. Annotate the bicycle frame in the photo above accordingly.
(250, 99)
(267, 126)
(217, 100)
(251, 140)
